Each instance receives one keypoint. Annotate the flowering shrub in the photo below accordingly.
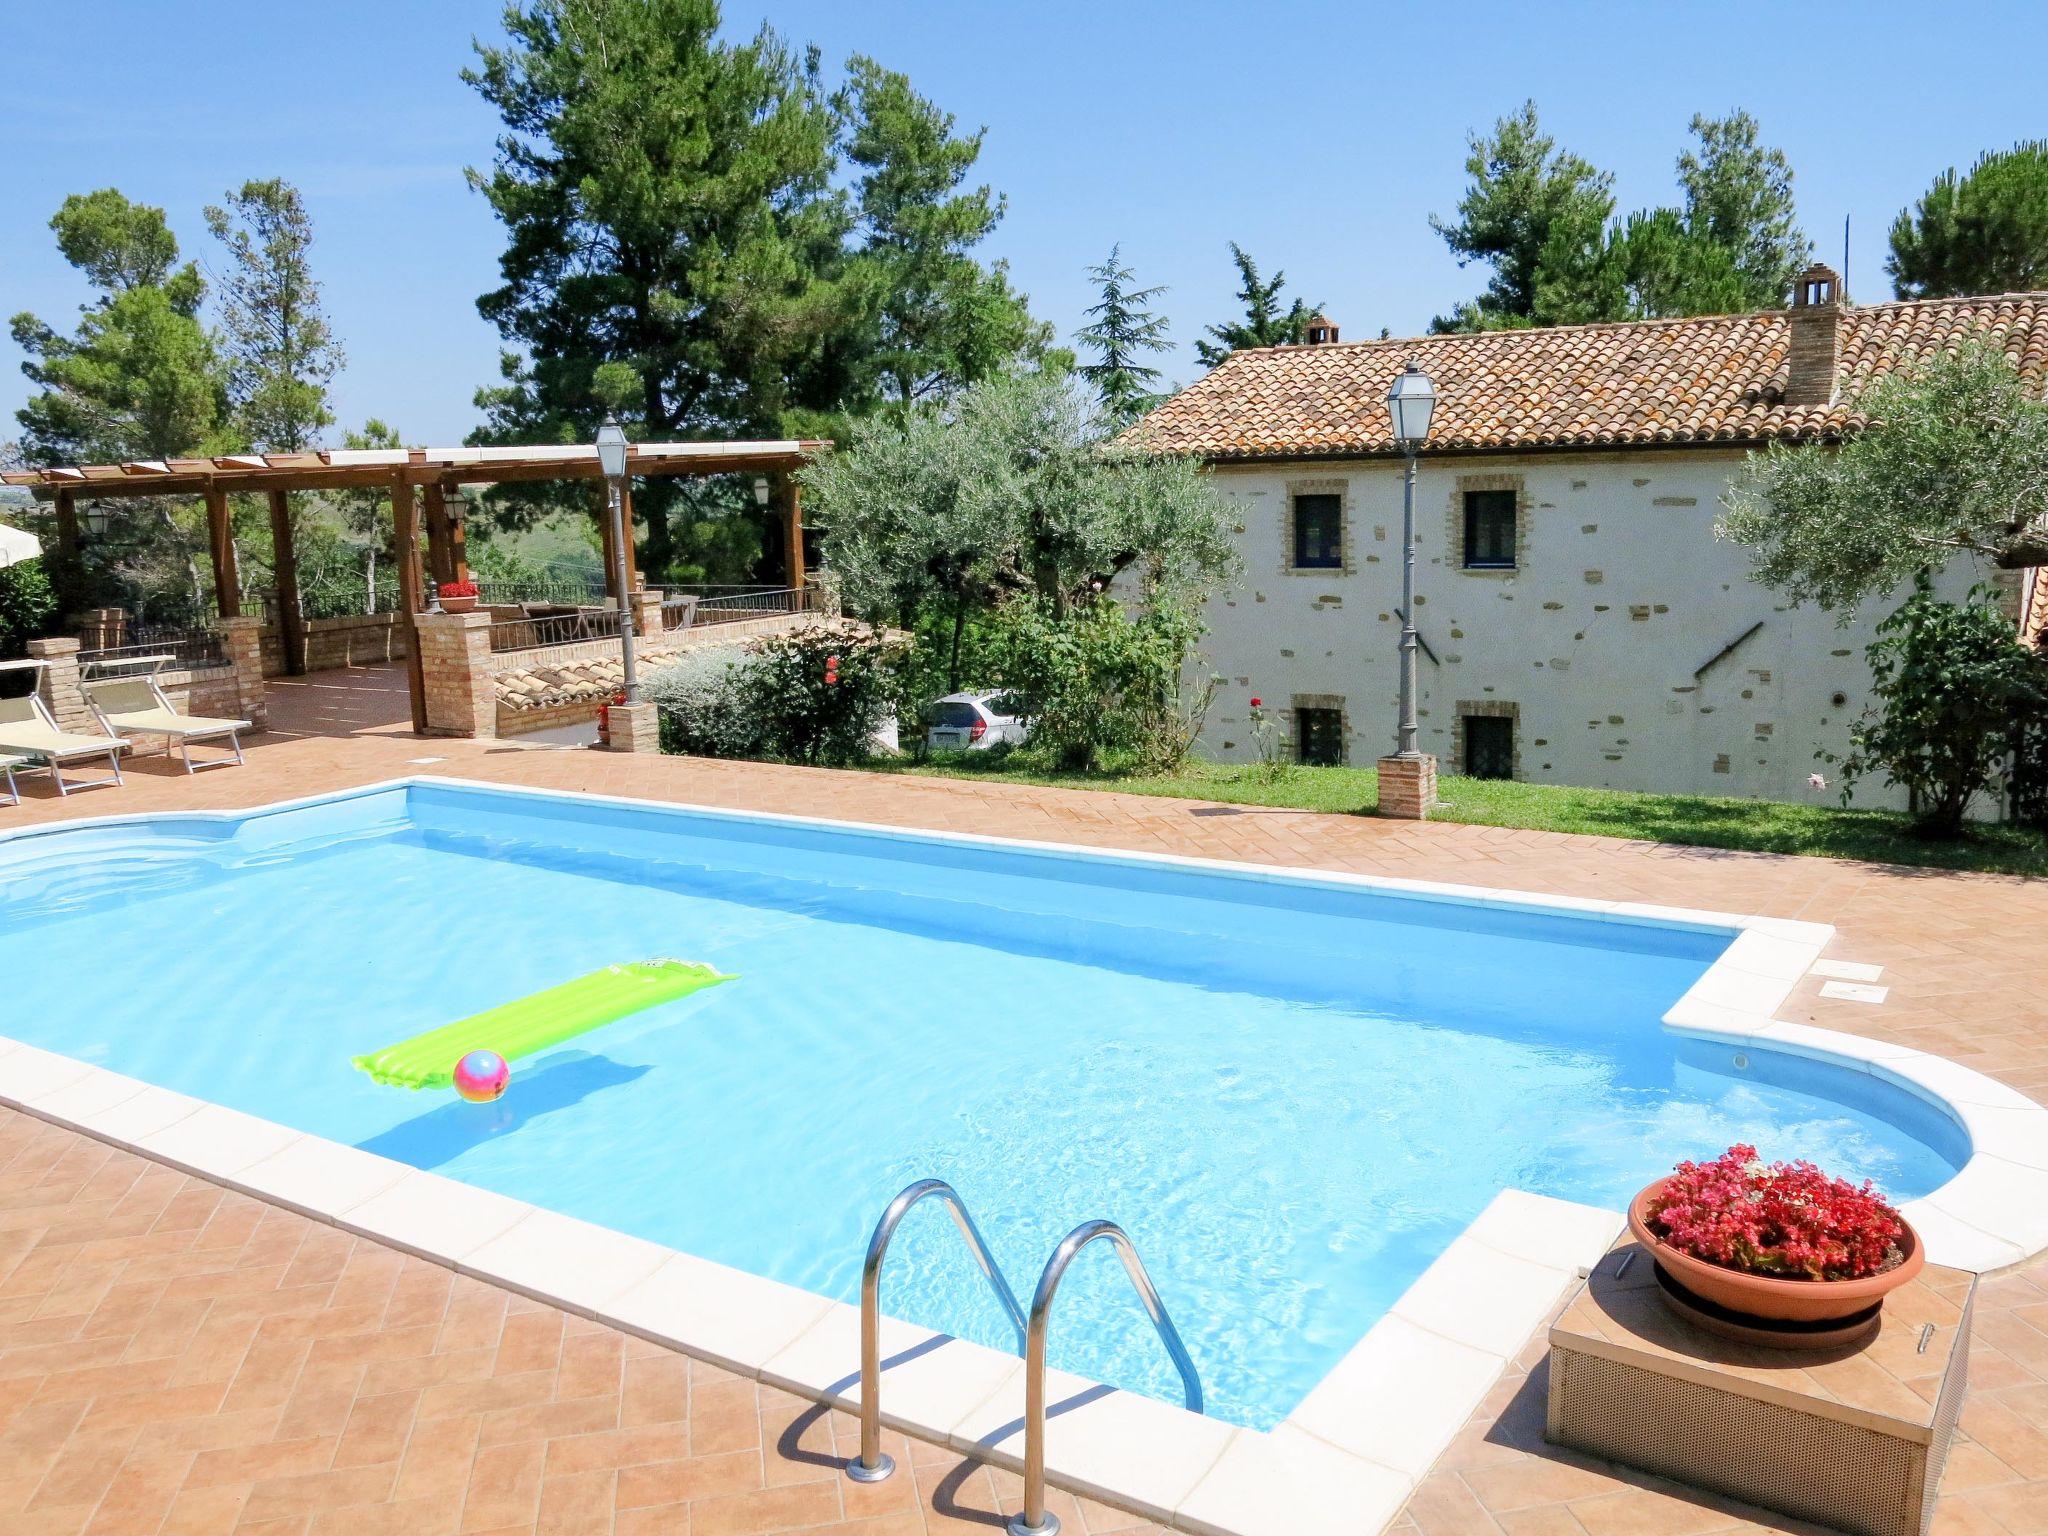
(1784, 1219)
(1273, 763)
(458, 589)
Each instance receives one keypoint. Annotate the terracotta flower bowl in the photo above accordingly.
(1789, 1313)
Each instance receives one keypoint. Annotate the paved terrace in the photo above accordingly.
(175, 1357)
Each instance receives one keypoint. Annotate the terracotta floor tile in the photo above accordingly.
(199, 1361)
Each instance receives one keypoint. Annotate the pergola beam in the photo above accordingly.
(422, 467)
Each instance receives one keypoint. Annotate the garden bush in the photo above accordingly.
(27, 605)
(1955, 691)
(813, 695)
(1100, 680)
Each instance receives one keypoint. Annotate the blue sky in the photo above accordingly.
(1321, 135)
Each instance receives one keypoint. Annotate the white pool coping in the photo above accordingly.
(1348, 1456)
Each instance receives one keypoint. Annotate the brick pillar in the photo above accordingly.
(1407, 787)
(647, 613)
(241, 638)
(103, 629)
(462, 686)
(57, 682)
(636, 727)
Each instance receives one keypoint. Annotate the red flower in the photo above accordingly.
(458, 589)
(1784, 1219)
(1257, 702)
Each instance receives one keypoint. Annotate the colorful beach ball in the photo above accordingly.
(482, 1076)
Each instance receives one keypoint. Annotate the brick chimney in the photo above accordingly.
(1815, 356)
(1321, 331)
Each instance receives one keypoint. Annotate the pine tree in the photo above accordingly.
(138, 379)
(1984, 232)
(940, 319)
(668, 205)
(1121, 331)
(1265, 323)
(281, 352)
(1528, 205)
(1738, 197)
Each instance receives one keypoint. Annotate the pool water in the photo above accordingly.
(1293, 1095)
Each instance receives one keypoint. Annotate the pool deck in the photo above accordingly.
(177, 1357)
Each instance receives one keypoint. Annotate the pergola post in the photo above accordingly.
(69, 571)
(793, 530)
(440, 554)
(220, 538)
(458, 537)
(405, 523)
(284, 560)
(633, 581)
(604, 540)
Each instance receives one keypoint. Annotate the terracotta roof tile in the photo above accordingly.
(1712, 379)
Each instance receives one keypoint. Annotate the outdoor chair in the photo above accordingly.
(137, 706)
(7, 767)
(27, 730)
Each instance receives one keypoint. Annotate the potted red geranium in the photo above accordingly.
(1783, 1247)
(458, 596)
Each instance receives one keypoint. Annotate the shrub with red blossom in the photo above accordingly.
(1788, 1220)
(458, 589)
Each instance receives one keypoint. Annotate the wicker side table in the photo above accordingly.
(1852, 1438)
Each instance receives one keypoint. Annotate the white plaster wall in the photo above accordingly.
(1622, 593)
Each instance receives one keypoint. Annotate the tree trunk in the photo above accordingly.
(953, 656)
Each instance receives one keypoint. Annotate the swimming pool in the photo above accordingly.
(1295, 1094)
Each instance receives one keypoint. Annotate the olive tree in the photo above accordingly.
(1954, 461)
(1013, 489)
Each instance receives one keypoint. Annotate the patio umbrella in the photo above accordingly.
(16, 546)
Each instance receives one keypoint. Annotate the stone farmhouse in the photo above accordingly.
(1581, 622)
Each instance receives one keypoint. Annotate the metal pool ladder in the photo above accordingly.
(1035, 1519)
(873, 1465)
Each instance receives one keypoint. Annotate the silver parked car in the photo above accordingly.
(972, 721)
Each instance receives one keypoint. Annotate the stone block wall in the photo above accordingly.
(1628, 644)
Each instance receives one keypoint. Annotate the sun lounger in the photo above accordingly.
(136, 706)
(27, 730)
(7, 767)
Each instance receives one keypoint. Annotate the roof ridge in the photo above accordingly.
(1618, 325)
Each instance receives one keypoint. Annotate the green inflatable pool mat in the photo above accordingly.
(539, 1020)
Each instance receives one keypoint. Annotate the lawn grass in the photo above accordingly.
(1701, 821)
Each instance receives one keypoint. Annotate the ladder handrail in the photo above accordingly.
(1034, 1520)
(873, 1465)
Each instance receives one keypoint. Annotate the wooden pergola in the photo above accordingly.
(419, 483)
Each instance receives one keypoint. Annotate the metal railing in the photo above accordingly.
(190, 649)
(533, 631)
(1034, 1519)
(558, 589)
(873, 1464)
(688, 607)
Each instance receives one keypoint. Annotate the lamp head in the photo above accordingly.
(1410, 403)
(611, 448)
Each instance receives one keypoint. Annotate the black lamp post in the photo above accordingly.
(1409, 403)
(611, 459)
